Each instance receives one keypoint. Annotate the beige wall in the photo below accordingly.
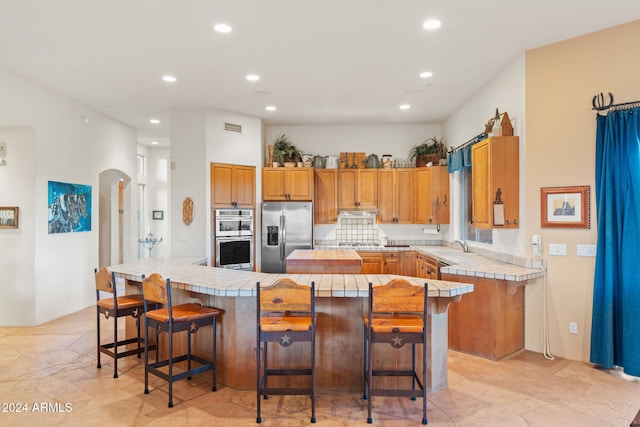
(561, 80)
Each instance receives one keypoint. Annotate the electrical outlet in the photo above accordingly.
(573, 328)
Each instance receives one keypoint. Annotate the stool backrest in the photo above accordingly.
(285, 295)
(397, 296)
(156, 289)
(105, 281)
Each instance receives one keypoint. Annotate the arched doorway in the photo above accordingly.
(113, 216)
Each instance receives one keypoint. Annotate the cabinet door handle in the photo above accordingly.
(444, 202)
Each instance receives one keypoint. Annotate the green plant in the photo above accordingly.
(430, 146)
(285, 151)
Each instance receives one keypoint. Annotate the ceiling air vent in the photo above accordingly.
(233, 128)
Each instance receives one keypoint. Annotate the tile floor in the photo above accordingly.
(49, 373)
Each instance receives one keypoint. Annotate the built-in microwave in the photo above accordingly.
(233, 222)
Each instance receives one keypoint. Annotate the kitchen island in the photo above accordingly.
(340, 303)
(329, 261)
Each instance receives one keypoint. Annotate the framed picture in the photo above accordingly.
(69, 207)
(158, 215)
(8, 217)
(565, 207)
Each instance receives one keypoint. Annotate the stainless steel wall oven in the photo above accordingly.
(233, 234)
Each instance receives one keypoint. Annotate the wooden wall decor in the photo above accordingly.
(187, 211)
(507, 127)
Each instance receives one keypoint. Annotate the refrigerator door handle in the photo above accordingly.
(283, 242)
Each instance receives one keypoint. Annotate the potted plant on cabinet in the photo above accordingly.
(431, 150)
(285, 153)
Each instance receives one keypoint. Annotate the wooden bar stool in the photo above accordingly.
(285, 313)
(173, 319)
(115, 307)
(397, 316)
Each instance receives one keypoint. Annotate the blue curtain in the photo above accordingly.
(461, 158)
(615, 328)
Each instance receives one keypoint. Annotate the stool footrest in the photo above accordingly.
(108, 348)
(304, 371)
(286, 391)
(396, 393)
(394, 373)
(207, 365)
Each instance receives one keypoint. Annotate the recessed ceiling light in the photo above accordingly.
(222, 28)
(270, 108)
(431, 24)
(405, 106)
(154, 121)
(169, 79)
(154, 142)
(253, 77)
(426, 74)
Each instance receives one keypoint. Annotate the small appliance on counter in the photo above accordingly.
(331, 162)
(286, 226)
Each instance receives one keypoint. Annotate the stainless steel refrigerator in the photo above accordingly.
(286, 226)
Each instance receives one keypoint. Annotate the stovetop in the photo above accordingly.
(358, 244)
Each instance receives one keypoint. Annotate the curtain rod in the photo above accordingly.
(598, 103)
(476, 138)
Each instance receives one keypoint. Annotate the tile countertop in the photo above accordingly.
(470, 264)
(463, 264)
(190, 274)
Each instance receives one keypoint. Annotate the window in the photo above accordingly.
(469, 231)
(141, 218)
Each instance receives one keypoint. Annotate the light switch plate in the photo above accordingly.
(558, 249)
(586, 250)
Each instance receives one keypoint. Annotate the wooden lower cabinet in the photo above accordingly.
(488, 322)
(427, 267)
(391, 263)
(407, 263)
(372, 262)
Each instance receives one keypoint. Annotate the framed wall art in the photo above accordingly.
(69, 207)
(157, 215)
(565, 207)
(9, 216)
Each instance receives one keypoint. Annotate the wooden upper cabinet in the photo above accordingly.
(395, 196)
(431, 190)
(325, 205)
(287, 184)
(496, 186)
(232, 186)
(357, 188)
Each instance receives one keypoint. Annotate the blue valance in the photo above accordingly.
(461, 157)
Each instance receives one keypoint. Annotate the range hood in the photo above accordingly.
(359, 212)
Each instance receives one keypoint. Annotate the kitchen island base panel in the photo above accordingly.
(339, 345)
(488, 322)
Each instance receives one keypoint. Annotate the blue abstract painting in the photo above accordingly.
(69, 207)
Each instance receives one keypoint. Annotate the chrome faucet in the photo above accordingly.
(465, 246)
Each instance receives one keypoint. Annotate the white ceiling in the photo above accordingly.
(320, 62)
